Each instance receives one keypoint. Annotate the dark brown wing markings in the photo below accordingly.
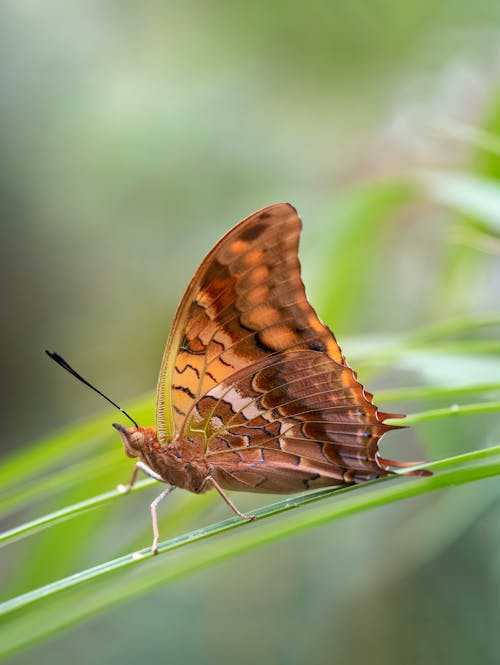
(268, 350)
(237, 296)
(184, 389)
(179, 411)
(186, 367)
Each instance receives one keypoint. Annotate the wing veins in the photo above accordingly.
(295, 415)
(245, 337)
(309, 460)
(252, 400)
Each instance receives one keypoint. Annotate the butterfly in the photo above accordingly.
(254, 393)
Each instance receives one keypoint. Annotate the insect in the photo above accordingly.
(254, 393)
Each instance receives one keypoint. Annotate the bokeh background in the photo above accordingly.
(133, 135)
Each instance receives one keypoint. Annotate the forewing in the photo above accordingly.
(293, 421)
(245, 303)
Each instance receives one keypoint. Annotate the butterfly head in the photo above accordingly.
(134, 439)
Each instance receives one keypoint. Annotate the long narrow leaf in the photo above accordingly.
(34, 623)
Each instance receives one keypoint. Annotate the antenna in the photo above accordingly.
(60, 361)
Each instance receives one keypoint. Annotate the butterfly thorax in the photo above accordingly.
(171, 461)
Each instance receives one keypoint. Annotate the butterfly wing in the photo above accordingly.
(245, 303)
(290, 422)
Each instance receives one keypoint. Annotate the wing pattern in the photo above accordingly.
(294, 421)
(246, 302)
(254, 383)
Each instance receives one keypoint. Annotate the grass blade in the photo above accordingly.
(29, 620)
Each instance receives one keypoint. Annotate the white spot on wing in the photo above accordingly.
(239, 402)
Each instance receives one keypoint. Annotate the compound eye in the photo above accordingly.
(136, 440)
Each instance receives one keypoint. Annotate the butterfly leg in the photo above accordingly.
(154, 517)
(140, 466)
(215, 484)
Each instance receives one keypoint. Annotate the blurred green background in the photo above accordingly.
(133, 135)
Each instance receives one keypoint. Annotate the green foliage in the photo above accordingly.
(79, 461)
(36, 621)
(132, 136)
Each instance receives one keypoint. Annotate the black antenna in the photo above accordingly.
(60, 361)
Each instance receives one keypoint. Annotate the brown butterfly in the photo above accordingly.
(254, 393)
